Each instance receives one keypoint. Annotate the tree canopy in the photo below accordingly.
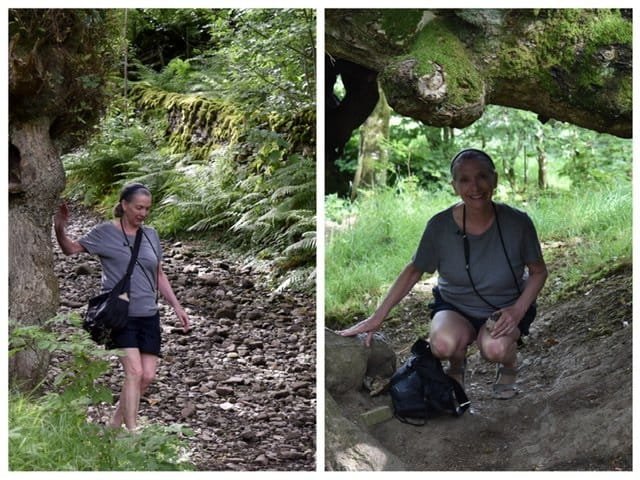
(444, 67)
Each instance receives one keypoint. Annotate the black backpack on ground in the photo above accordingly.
(421, 390)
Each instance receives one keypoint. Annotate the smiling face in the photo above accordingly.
(474, 180)
(137, 209)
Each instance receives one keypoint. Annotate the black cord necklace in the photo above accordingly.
(467, 252)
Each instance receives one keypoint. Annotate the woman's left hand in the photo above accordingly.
(508, 322)
(184, 319)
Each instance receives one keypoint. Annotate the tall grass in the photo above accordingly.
(46, 434)
(584, 235)
(50, 431)
(364, 258)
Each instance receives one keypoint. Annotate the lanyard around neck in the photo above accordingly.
(467, 253)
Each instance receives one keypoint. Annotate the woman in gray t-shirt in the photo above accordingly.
(140, 339)
(489, 264)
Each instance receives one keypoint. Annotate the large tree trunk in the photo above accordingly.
(444, 66)
(373, 155)
(58, 60)
(37, 178)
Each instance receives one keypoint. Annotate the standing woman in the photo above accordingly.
(140, 340)
(489, 263)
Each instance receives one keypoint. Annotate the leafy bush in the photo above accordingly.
(51, 432)
(224, 138)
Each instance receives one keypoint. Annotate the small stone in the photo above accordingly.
(377, 415)
(224, 390)
(188, 410)
(281, 394)
(234, 380)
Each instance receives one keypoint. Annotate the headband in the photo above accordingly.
(131, 189)
(472, 152)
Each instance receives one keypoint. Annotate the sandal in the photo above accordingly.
(458, 372)
(504, 391)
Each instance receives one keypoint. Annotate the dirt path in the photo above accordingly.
(244, 378)
(574, 409)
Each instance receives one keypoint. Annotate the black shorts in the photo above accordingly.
(439, 304)
(142, 333)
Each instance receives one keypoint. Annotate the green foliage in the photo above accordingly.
(417, 150)
(199, 124)
(51, 432)
(584, 233)
(377, 238)
(60, 60)
(225, 137)
(512, 137)
(96, 172)
(86, 365)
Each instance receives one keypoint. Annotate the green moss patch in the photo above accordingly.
(438, 44)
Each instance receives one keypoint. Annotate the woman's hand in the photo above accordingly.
(61, 217)
(369, 326)
(184, 319)
(60, 222)
(508, 321)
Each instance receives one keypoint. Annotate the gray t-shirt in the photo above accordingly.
(108, 242)
(441, 248)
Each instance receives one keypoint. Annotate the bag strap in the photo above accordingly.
(134, 257)
(134, 253)
(461, 397)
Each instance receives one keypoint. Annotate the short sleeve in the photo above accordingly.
(95, 242)
(155, 238)
(426, 257)
(531, 249)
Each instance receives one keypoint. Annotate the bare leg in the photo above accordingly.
(502, 350)
(450, 335)
(148, 364)
(127, 408)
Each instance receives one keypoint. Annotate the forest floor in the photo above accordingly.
(243, 379)
(574, 407)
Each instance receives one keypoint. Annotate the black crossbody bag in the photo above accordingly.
(108, 312)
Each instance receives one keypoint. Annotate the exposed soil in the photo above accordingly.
(243, 379)
(574, 407)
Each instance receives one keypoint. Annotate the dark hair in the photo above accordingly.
(472, 153)
(127, 193)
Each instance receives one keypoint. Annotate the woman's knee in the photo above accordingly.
(443, 345)
(134, 374)
(147, 378)
(497, 350)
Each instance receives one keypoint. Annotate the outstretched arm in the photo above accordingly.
(60, 222)
(400, 288)
(167, 292)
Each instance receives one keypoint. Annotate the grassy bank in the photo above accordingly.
(584, 234)
(48, 428)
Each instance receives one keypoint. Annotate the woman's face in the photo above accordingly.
(137, 209)
(474, 181)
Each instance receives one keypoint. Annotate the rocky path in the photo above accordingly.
(243, 379)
